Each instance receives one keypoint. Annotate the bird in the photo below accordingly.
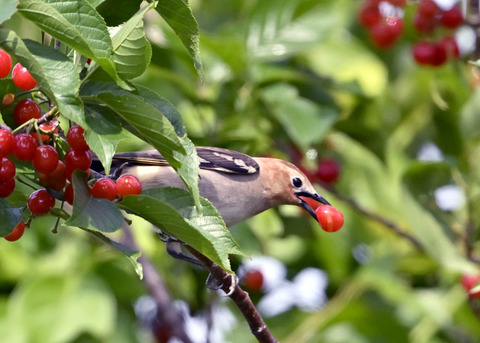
(238, 185)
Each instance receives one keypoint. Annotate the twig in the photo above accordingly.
(376, 217)
(239, 297)
(166, 312)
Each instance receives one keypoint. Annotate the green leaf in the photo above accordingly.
(75, 23)
(103, 133)
(164, 106)
(424, 177)
(431, 234)
(10, 215)
(132, 51)
(108, 9)
(189, 170)
(144, 120)
(173, 210)
(179, 16)
(9, 7)
(55, 73)
(305, 122)
(131, 255)
(92, 213)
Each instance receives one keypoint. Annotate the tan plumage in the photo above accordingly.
(238, 185)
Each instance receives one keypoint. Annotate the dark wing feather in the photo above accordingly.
(222, 160)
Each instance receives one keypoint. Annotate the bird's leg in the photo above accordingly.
(174, 249)
(230, 280)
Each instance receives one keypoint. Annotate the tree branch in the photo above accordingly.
(241, 298)
(376, 217)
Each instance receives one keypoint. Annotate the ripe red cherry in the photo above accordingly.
(68, 194)
(468, 282)
(104, 188)
(312, 203)
(386, 32)
(25, 110)
(5, 64)
(424, 24)
(6, 142)
(452, 18)
(57, 179)
(76, 159)
(76, 139)
(253, 280)
(440, 55)
(423, 52)
(16, 233)
(7, 187)
(328, 170)
(24, 147)
(428, 8)
(40, 202)
(22, 78)
(127, 185)
(369, 15)
(48, 127)
(451, 46)
(45, 159)
(7, 169)
(330, 218)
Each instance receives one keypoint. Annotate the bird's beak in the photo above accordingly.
(306, 206)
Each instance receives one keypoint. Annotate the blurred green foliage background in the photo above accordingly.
(282, 76)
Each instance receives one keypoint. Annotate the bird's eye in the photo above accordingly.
(297, 182)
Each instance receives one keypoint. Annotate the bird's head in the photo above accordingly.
(288, 184)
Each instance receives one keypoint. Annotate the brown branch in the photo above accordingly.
(239, 297)
(167, 314)
(376, 217)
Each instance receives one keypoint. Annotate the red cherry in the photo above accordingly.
(7, 169)
(7, 187)
(428, 8)
(6, 142)
(68, 194)
(45, 159)
(24, 147)
(469, 281)
(16, 233)
(76, 139)
(423, 52)
(386, 32)
(5, 64)
(56, 179)
(440, 55)
(76, 159)
(40, 202)
(104, 188)
(48, 127)
(22, 78)
(330, 218)
(328, 170)
(451, 46)
(25, 110)
(253, 280)
(369, 15)
(424, 24)
(312, 203)
(452, 18)
(127, 185)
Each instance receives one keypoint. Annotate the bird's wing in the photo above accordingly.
(212, 158)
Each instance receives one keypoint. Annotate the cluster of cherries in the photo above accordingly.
(39, 148)
(385, 22)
